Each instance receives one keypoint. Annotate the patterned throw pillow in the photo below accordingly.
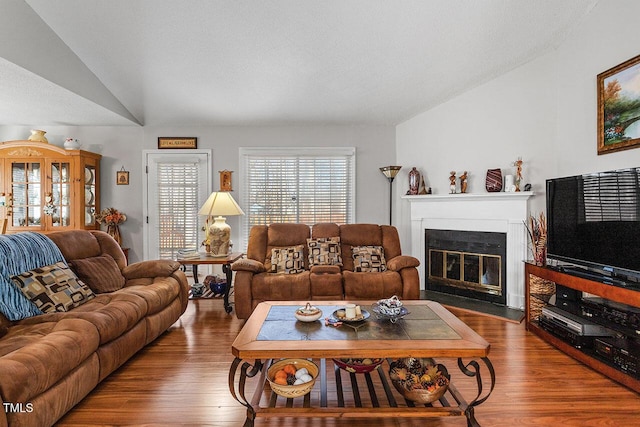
(287, 260)
(368, 259)
(100, 273)
(324, 251)
(53, 288)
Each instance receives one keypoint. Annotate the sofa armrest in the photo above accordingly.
(325, 269)
(402, 261)
(250, 265)
(152, 268)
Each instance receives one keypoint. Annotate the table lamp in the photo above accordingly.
(390, 172)
(218, 234)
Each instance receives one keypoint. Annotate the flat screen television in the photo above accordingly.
(593, 225)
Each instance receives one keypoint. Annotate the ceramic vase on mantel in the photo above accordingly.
(493, 183)
(414, 181)
(113, 230)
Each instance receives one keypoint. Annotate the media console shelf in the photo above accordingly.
(541, 286)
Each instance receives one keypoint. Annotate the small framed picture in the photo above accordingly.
(225, 180)
(177, 142)
(122, 177)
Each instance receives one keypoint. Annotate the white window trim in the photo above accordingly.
(145, 189)
(298, 151)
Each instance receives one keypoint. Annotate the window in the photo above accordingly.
(178, 186)
(297, 185)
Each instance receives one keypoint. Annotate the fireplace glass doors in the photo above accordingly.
(481, 272)
(467, 263)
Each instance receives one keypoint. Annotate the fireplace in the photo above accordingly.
(501, 213)
(467, 263)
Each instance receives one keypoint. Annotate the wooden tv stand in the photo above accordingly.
(540, 286)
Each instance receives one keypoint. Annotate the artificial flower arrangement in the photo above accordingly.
(110, 216)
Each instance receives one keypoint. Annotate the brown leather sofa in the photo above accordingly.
(49, 362)
(254, 281)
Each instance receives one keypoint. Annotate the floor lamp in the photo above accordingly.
(390, 172)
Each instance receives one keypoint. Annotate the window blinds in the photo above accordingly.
(306, 187)
(177, 186)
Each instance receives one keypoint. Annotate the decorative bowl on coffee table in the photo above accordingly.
(308, 313)
(391, 317)
(358, 365)
(292, 390)
(420, 380)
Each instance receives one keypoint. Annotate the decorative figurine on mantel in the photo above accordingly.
(518, 165)
(452, 182)
(423, 188)
(463, 182)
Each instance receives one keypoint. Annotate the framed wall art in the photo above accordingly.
(225, 180)
(619, 107)
(122, 177)
(177, 142)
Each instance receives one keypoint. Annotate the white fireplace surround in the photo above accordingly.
(492, 212)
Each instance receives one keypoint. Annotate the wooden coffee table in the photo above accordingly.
(429, 330)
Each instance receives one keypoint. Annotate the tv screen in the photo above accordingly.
(593, 221)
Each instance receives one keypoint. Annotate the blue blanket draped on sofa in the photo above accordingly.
(19, 253)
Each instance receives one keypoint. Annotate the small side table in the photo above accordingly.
(211, 260)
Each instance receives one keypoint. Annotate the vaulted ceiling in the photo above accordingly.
(237, 62)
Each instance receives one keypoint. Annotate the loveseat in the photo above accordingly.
(347, 262)
(66, 335)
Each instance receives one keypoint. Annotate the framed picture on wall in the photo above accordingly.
(122, 177)
(177, 142)
(225, 180)
(619, 107)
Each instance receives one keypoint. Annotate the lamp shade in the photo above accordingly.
(390, 171)
(220, 203)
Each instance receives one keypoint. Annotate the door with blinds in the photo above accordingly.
(177, 184)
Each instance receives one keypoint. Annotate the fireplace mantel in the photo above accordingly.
(495, 212)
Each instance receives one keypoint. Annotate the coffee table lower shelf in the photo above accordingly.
(341, 394)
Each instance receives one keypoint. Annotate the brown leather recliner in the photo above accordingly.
(254, 281)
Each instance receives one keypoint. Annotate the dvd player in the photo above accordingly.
(574, 323)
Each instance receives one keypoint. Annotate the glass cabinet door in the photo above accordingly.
(89, 195)
(26, 187)
(57, 203)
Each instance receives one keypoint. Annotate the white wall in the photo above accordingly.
(544, 112)
(123, 146)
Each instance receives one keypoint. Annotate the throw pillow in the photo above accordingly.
(287, 260)
(368, 259)
(100, 273)
(53, 288)
(324, 251)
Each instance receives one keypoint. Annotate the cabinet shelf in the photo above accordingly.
(540, 286)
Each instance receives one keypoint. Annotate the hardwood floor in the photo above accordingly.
(181, 380)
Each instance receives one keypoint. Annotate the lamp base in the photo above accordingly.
(219, 237)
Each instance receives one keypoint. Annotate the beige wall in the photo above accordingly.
(123, 146)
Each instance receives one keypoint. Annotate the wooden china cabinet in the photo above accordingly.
(46, 188)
